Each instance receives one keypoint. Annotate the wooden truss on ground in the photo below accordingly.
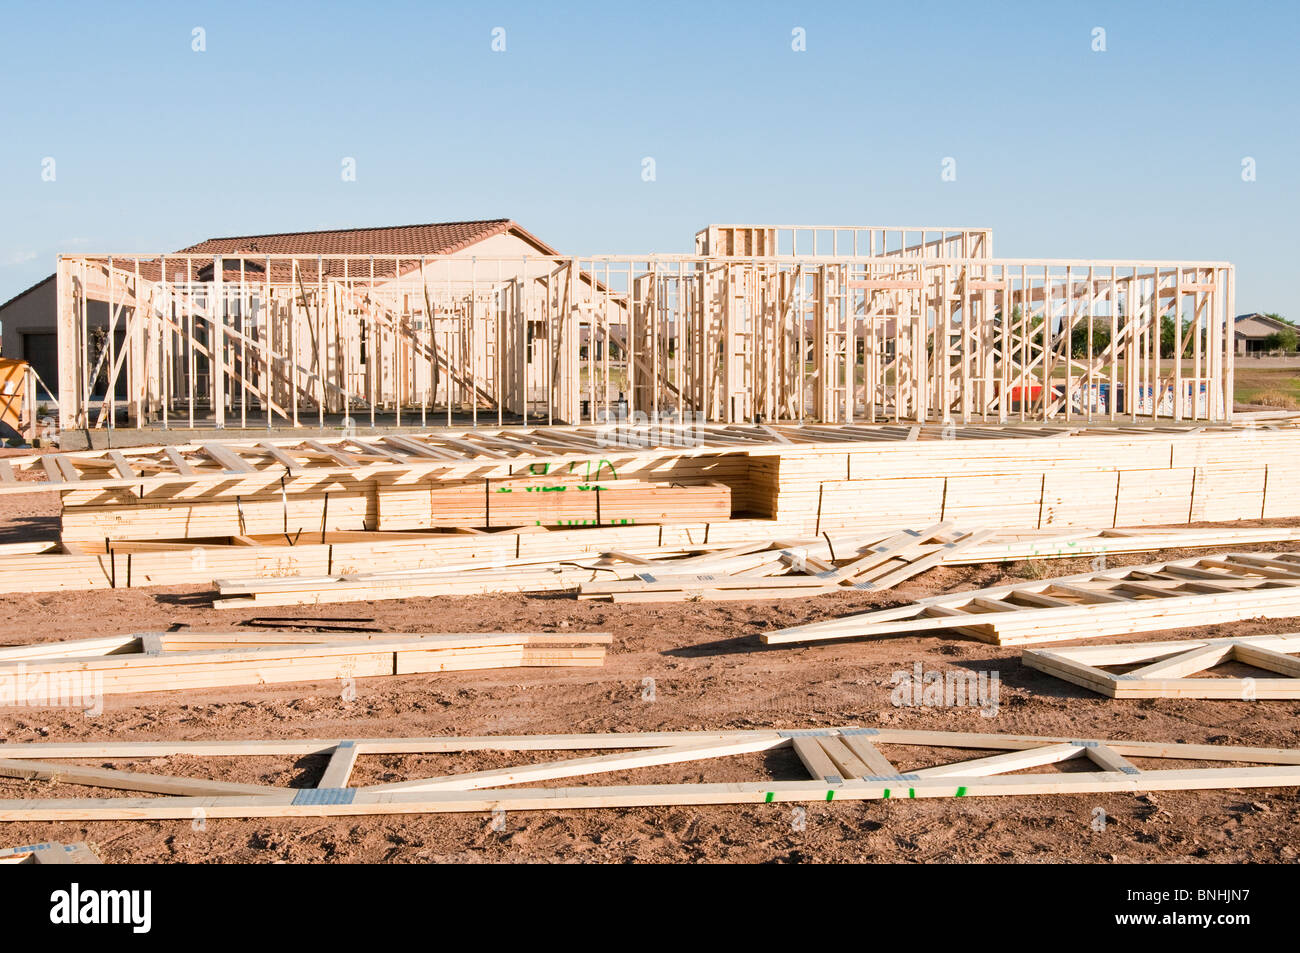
(767, 569)
(276, 338)
(53, 672)
(781, 570)
(1165, 669)
(839, 764)
(49, 853)
(1122, 601)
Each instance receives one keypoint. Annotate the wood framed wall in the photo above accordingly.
(852, 241)
(281, 340)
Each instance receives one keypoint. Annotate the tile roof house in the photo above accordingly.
(1252, 331)
(28, 321)
(498, 236)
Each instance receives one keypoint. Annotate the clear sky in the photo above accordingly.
(1132, 152)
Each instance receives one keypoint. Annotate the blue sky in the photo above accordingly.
(1134, 152)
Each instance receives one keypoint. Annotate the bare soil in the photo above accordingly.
(708, 672)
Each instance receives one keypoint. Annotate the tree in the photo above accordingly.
(1079, 339)
(1168, 336)
(1284, 341)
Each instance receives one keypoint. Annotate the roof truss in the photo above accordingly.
(1166, 669)
(837, 764)
(1170, 595)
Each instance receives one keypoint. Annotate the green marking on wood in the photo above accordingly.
(961, 792)
(771, 796)
(830, 795)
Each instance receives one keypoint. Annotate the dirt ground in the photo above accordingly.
(708, 671)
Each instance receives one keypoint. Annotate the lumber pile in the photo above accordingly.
(839, 764)
(1123, 601)
(554, 503)
(478, 504)
(49, 566)
(266, 513)
(1166, 669)
(783, 569)
(133, 563)
(1085, 544)
(365, 587)
(304, 507)
(50, 673)
(767, 569)
(1103, 480)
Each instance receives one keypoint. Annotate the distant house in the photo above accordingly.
(28, 320)
(1252, 331)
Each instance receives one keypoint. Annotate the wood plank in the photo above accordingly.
(339, 768)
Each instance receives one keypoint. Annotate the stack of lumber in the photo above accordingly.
(265, 513)
(149, 662)
(50, 566)
(280, 509)
(1171, 595)
(1165, 669)
(836, 764)
(1101, 479)
(481, 503)
(511, 576)
(1121, 479)
(133, 564)
(783, 569)
(494, 503)
(1085, 544)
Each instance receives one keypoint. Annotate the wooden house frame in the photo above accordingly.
(851, 241)
(933, 330)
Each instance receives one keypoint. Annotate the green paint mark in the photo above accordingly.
(830, 795)
(886, 793)
(771, 796)
(961, 792)
(911, 792)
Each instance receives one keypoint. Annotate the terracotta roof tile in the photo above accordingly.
(397, 249)
(439, 238)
